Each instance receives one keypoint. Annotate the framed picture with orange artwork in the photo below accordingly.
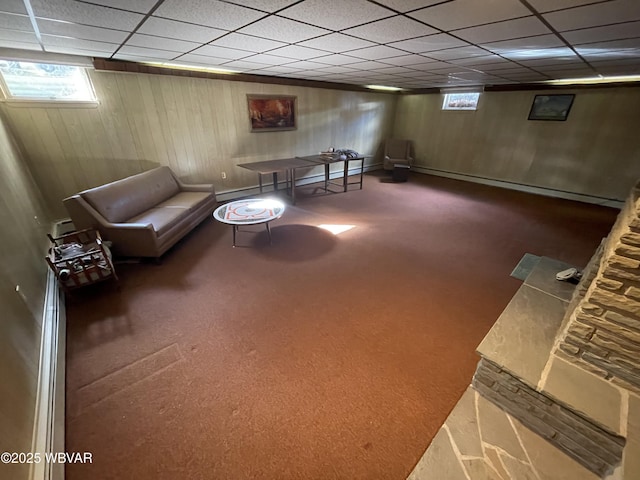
(272, 113)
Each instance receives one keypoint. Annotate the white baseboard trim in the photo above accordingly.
(49, 422)
(548, 192)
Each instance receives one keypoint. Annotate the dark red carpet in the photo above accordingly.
(319, 357)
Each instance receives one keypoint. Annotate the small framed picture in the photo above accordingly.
(271, 113)
(551, 107)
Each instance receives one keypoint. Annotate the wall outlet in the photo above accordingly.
(224, 175)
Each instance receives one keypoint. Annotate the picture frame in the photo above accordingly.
(272, 113)
(551, 107)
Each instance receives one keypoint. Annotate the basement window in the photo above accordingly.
(461, 101)
(45, 82)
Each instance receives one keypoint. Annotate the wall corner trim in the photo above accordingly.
(49, 422)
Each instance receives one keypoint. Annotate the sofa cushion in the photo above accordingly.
(190, 200)
(123, 199)
(162, 219)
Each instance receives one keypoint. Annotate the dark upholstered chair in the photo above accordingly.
(397, 152)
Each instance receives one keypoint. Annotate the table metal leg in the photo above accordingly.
(361, 172)
(269, 233)
(293, 186)
(326, 177)
(235, 229)
(345, 177)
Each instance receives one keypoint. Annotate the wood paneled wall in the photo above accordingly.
(24, 242)
(595, 152)
(198, 127)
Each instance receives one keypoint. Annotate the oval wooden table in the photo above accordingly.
(251, 211)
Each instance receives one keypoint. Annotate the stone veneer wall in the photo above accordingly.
(590, 445)
(602, 333)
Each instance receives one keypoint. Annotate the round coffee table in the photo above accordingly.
(251, 211)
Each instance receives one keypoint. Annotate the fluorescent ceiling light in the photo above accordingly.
(199, 68)
(594, 80)
(383, 87)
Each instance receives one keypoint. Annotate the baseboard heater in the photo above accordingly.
(49, 419)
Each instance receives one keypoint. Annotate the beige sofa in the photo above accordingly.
(143, 215)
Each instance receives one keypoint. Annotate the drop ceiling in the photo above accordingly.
(410, 44)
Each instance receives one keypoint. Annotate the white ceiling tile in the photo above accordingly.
(211, 13)
(391, 30)
(593, 54)
(429, 67)
(480, 60)
(268, 59)
(336, 43)
(521, 27)
(54, 27)
(614, 70)
(407, 60)
(335, 14)
(247, 42)
(337, 60)
(180, 30)
(429, 43)
(275, 69)
(393, 70)
(407, 5)
(243, 65)
(336, 69)
(69, 42)
(282, 29)
(539, 41)
(459, 52)
(264, 5)
(543, 61)
(369, 65)
(161, 43)
(13, 6)
(15, 22)
(616, 11)
(77, 51)
(16, 36)
(378, 52)
(537, 53)
(557, 71)
(505, 71)
(221, 52)
(190, 58)
(466, 13)
(85, 13)
(542, 54)
(612, 45)
(549, 5)
(563, 67)
(603, 34)
(297, 52)
(141, 6)
(305, 65)
(148, 53)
